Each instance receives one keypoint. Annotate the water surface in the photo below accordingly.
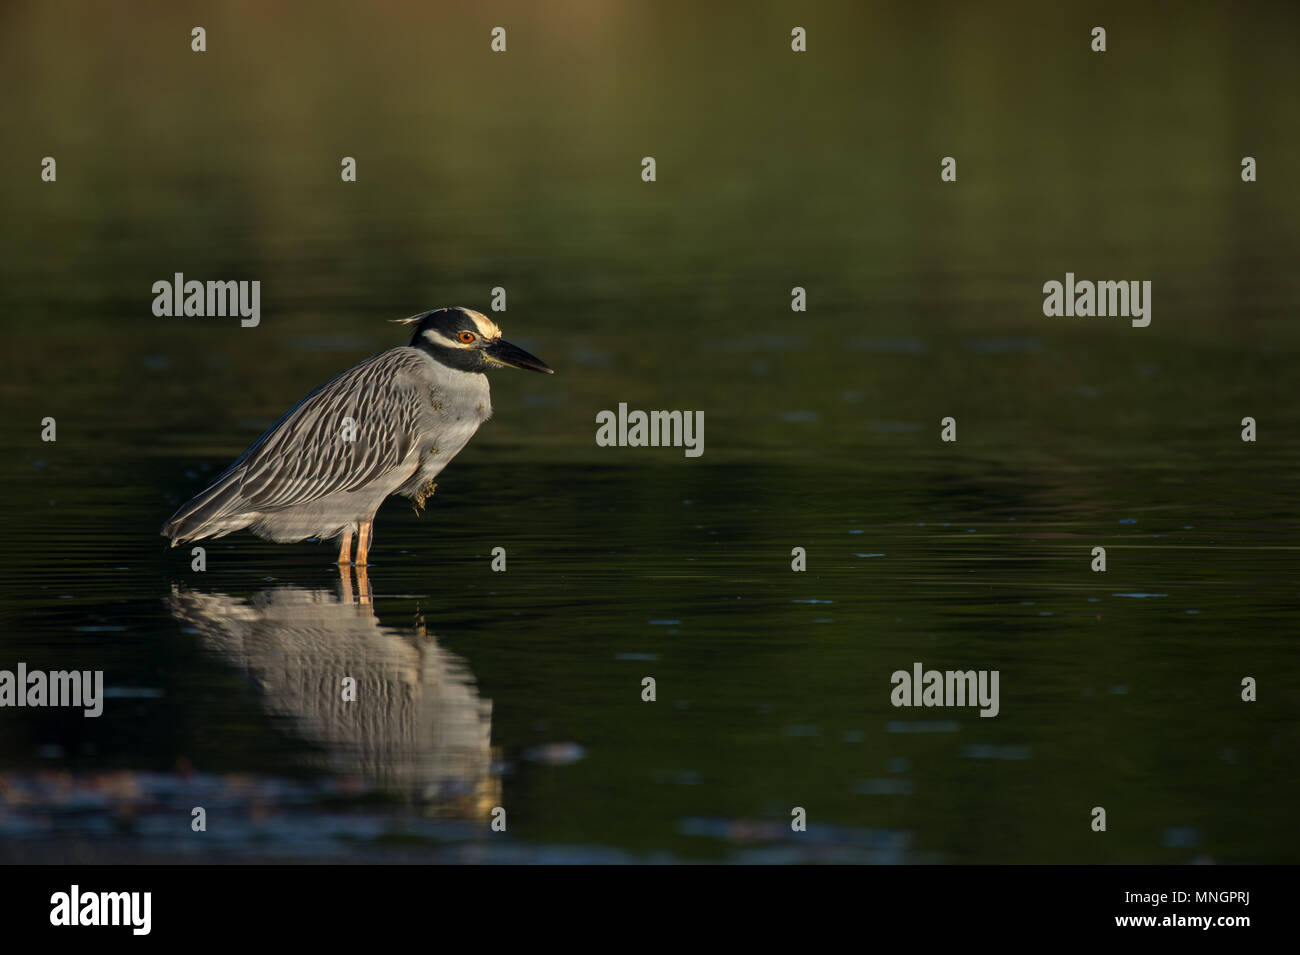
(523, 689)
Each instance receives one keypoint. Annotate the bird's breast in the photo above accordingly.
(467, 406)
(457, 408)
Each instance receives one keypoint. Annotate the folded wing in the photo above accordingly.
(348, 433)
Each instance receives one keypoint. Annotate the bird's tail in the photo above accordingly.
(212, 513)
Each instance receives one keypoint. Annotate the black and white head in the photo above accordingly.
(467, 340)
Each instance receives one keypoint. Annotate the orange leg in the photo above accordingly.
(363, 542)
(345, 549)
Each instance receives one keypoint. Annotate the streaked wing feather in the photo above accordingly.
(305, 457)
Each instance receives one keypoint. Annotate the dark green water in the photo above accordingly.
(523, 689)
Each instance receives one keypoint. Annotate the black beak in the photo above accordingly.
(504, 353)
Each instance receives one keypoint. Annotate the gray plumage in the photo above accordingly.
(386, 426)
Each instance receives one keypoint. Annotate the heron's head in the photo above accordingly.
(467, 340)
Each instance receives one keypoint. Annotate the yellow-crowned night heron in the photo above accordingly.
(385, 426)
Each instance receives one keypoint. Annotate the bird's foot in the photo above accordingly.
(424, 494)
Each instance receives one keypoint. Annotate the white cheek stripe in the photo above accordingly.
(439, 339)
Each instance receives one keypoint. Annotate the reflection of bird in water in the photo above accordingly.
(417, 726)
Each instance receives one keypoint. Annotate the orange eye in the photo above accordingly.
(466, 338)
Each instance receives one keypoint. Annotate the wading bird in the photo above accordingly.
(386, 426)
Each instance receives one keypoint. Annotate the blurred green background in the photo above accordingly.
(774, 170)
